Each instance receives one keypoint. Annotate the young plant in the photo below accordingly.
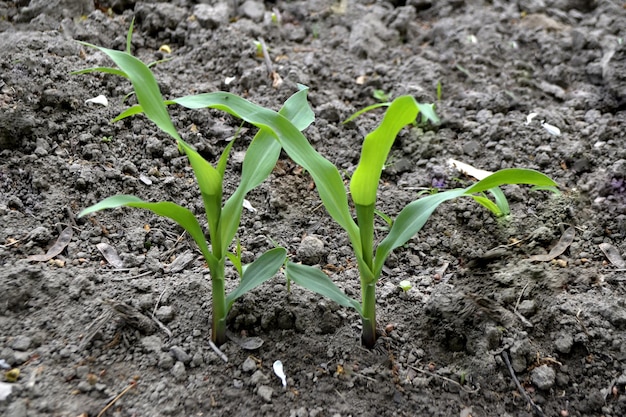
(223, 220)
(363, 187)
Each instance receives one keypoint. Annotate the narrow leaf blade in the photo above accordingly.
(184, 217)
(259, 271)
(317, 281)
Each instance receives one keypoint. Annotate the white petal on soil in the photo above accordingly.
(5, 390)
(229, 80)
(4, 364)
(467, 169)
(530, 118)
(145, 179)
(278, 370)
(248, 206)
(553, 130)
(98, 100)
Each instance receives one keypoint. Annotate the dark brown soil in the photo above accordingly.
(477, 300)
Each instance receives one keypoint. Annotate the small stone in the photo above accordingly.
(166, 361)
(519, 353)
(151, 343)
(266, 393)
(249, 365)
(180, 354)
(212, 17)
(259, 378)
(21, 343)
(543, 377)
(253, 10)
(564, 343)
(84, 386)
(311, 250)
(197, 360)
(165, 314)
(527, 308)
(17, 409)
(179, 371)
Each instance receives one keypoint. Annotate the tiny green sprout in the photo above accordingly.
(259, 49)
(222, 217)
(106, 139)
(380, 95)
(438, 90)
(275, 17)
(405, 285)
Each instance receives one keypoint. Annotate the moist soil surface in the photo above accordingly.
(488, 328)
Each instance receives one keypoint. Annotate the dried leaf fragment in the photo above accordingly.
(613, 255)
(64, 239)
(110, 254)
(566, 239)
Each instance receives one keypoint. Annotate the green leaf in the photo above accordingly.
(427, 112)
(145, 86)
(501, 201)
(259, 271)
(364, 184)
(511, 176)
(260, 160)
(326, 176)
(317, 281)
(106, 70)
(365, 110)
(409, 221)
(131, 111)
(129, 36)
(488, 204)
(413, 217)
(210, 184)
(180, 215)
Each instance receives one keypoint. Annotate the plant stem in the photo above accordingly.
(218, 289)
(365, 220)
(368, 295)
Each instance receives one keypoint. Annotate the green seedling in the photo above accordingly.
(259, 49)
(283, 129)
(380, 95)
(405, 285)
(223, 220)
(363, 187)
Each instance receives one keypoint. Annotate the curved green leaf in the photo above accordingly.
(317, 281)
(376, 147)
(106, 70)
(326, 176)
(145, 86)
(409, 221)
(259, 271)
(260, 160)
(365, 110)
(511, 176)
(179, 214)
(413, 217)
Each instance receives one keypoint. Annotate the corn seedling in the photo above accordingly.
(363, 188)
(223, 220)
